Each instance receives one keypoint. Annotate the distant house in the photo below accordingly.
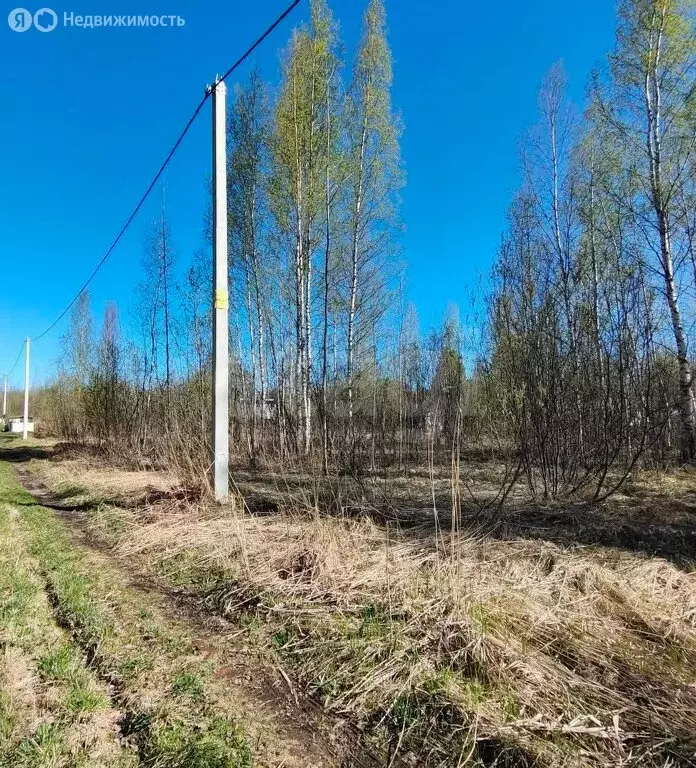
(16, 425)
(267, 409)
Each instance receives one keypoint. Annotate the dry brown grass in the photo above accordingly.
(122, 485)
(496, 651)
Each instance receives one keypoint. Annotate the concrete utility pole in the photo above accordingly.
(4, 399)
(221, 448)
(26, 390)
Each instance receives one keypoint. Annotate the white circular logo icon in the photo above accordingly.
(45, 20)
(19, 19)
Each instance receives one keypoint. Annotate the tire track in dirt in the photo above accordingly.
(37, 700)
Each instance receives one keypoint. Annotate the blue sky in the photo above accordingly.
(90, 113)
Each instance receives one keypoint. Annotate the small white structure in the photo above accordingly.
(17, 425)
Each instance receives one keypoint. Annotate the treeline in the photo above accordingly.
(327, 365)
(590, 358)
(581, 369)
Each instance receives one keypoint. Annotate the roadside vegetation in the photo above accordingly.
(90, 678)
(456, 649)
(54, 710)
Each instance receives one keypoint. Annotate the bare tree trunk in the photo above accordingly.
(307, 378)
(261, 349)
(564, 268)
(252, 352)
(300, 371)
(374, 405)
(595, 281)
(354, 276)
(661, 207)
(327, 251)
(686, 394)
(165, 271)
(334, 351)
(401, 406)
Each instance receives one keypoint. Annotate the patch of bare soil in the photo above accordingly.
(21, 685)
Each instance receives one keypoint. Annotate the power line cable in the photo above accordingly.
(14, 365)
(250, 50)
(162, 168)
(129, 220)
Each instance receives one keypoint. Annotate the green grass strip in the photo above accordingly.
(158, 683)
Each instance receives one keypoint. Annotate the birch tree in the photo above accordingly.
(248, 128)
(298, 179)
(374, 175)
(652, 109)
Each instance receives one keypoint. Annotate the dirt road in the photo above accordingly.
(100, 666)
